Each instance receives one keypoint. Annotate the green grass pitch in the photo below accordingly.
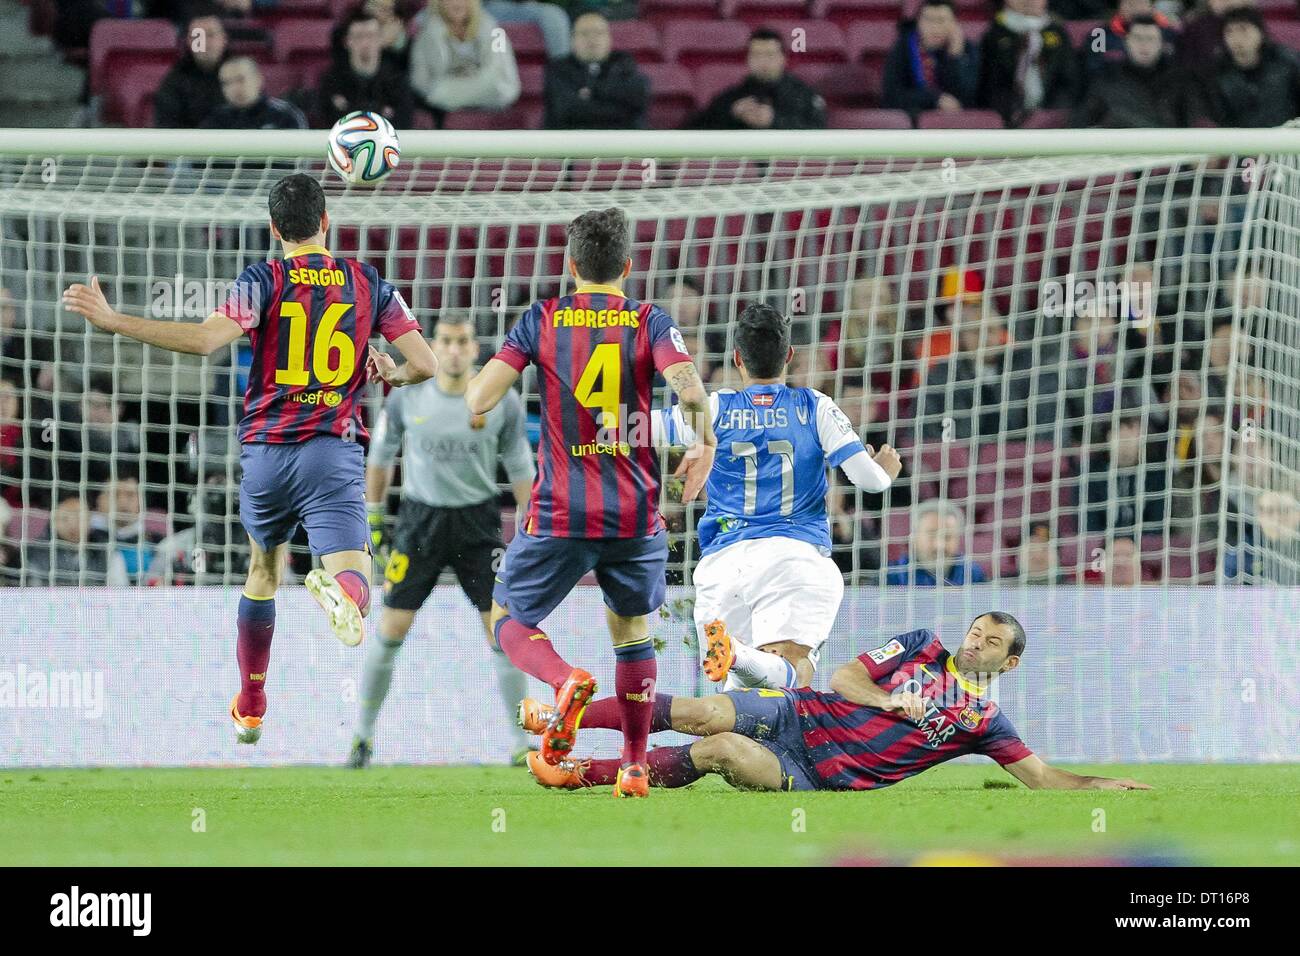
(1221, 814)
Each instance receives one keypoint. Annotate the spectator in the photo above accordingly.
(11, 444)
(191, 91)
(768, 97)
(1026, 62)
(214, 550)
(685, 303)
(968, 393)
(935, 552)
(1197, 484)
(1111, 49)
(246, 105)
(1144, 90)
(931, 66)
(70, 554)
(861, 346)
(594, 87)
(1270, 552)
(1201, 39)
(394, 38)
(363, 79)
(24, 356)
(102, 432)
(1255, 83)
(959, 293)
(1039, 562)
(462, 60)
(855, 538)
(1218, 358)
(1124, 483)
(1119, 565)
(118, 517)
(1096, 380)
(552, 20)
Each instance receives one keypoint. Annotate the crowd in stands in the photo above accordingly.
(1134, 63)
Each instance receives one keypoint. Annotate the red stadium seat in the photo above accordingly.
(296, 41)
(130, 99)
(844, 13)
(279, 78)
(663, 12)
(869, 119)
(712, 80)
(519, 116)
(531, 80)
(962, 119)
(820, 41)
(762, 12)
(869, 43)
(526, 40)
(722, 42)
(642, 40)
(850, 86)
(1080, 31)
(1285, 34)
(1047, 119)
(113, 42)
(672, 94)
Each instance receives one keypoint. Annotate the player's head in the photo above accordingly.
(993, 644)
(762, 343)
(454, 343)
(600, 246)
(298, 210)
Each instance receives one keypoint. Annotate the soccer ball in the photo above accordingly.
(363, 148)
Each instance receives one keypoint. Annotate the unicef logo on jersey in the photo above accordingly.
(328, 399)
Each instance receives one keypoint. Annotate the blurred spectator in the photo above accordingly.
(70, 553)
(246, 105)
(684, 300)
(1255, 83)
(1026, 62)
(1186, 403)
(191, 91)
(102, 432)
(551, 19)
(1218, 358)
(463, 60)
(959, 292)
(23, 357)
(1119, 565)
(1038, 561)
(1146, 89)
(931, 66)
(118, 517)
(394, 37)
(935, 552)
(974, 381)
(768, 97)
(594, 87)
(215, 548)
(861, 346)
(1270, 551)
(1201, 39)
(1197, 485)
(11, 445)
(1096, 380)
(363, 79)
(10, 564)
(855, 538)
(1125, 487)
(1109, 48)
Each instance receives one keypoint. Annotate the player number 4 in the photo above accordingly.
(601, 384)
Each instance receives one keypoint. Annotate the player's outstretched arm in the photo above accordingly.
(489, 386)
(196, 338)
(852, 682)
(684, 379)
(1036, 775)
(420, 362)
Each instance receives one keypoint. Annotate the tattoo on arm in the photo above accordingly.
(684, 381)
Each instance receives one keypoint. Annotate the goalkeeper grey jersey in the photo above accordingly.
(450, 459)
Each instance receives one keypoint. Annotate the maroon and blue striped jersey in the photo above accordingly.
(309, 320)
(596, 353)
(853, 747)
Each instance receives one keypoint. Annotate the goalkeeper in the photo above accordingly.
(449, 514)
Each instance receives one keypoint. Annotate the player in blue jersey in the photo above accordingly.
(766, 590)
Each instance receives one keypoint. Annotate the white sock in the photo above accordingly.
(755, 668)
(375, 681)
(513, 687)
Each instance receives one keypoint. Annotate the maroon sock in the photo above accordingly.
(605, 714)
(634, 688)
(354, 585)
(530, 650)
(256, 622)
(669, 767)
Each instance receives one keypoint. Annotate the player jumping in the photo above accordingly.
(765, 578)
(594, 505)
(895, 711)
(309, 317)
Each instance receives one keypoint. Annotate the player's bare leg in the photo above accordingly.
(745, 764)
(342, 588)
(635, 671)
(512, 687)
(376, 678)
(798, 655)
(256, 624)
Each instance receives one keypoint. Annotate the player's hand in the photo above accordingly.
(91, 303)
(695, 467)
(1125, 784)
(887, 458)
(912, 705)
(380, 365)
(378, 536)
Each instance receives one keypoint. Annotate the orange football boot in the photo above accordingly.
(718, 654)
(565, 775)
(248, 730)
(633, 781)
(570, 701)
(533, 715)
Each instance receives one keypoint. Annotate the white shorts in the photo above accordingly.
(767, 590)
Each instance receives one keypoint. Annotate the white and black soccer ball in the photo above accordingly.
(363, 148)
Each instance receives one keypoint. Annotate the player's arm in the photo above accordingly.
(870, 471)
(684, 379)
(855, 684)
(195, 338)
(517, 454)
(380, 466)
(420, 364)
(489, 386)
(1036, 775)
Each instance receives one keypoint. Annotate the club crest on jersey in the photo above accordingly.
(764, 400)
(882, 654)
(678, 342)
(969, 718)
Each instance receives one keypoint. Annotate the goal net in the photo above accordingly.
(1086, 346)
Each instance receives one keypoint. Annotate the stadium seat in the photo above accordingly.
(519, 116)
(296, 41)
(526, 40)
(868, 43)
(130, 100)
(664, 12)
(294, 10)
(1285, 33)
(763, 12)
(672, 92)
(1080, 31)
(112, 42)
(869, 119)
(642, 40)
(279, 79)
(713, 79)
(723, 42)
(820, 42)
(1047, 119)
(844, 13)
(962, 119)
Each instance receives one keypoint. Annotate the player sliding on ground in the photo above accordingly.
(766, 590)
(895, 711)
(309, 319)
(594, 505)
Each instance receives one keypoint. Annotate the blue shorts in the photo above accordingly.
(319, 483)
(769, 717)
(538, 572)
